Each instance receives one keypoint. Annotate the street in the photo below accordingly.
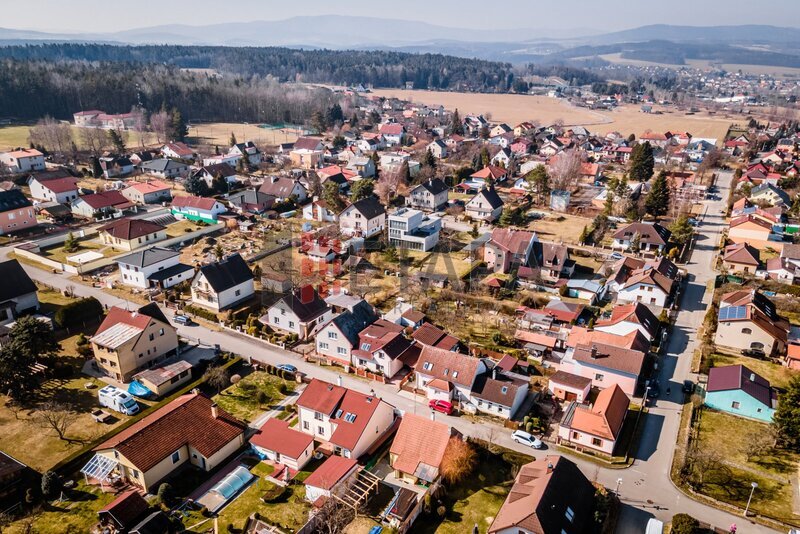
(645, 487)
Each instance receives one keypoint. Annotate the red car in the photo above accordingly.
(441, 406)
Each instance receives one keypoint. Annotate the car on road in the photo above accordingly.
(615, 256)
(183, 319)
(688, 387)
(525, 438)
(289, 368)
(442, 406)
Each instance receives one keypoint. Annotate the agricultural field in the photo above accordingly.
(219, 133)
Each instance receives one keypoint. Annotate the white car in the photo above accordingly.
(524, 438)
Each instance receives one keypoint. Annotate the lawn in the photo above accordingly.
(453, 264)
(560, 227)
(730, 482)
(240, 400)
(181, 228)
(51, 301)
(57, 253)
(290, 512)
(777, 375)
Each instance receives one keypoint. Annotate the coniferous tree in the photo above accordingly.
(456, 126)
(657, 201)
(178, 128)
(117, 141)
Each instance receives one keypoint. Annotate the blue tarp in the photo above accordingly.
(137, 389)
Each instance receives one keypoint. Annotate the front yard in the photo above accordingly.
(777, 375)
(253, 394)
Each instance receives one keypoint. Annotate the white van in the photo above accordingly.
(654, 526)
(118, 400)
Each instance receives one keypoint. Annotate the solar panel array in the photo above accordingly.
(730, 313)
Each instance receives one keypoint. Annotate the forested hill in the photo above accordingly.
(340, 67)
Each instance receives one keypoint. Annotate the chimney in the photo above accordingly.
(549, 467)
(594, 352)
(494, 373)
(752, 377)
(214, 412)
(339, 380)
(306, 294)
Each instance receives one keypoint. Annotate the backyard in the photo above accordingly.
(182, 227)
(777, 375)
(253, 394)
(57, 252)
(560, 228)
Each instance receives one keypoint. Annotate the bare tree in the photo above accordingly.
(139, 124)
(702, 462)
(56, 416)
(217, 377)
(95, 140)
(334, 517)
(160, 124)
(53, 135)
(758, 443)
(390, 185)
(566, 170)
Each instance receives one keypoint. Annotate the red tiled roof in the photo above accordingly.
(331, 472)
(490, 171)
(582, 336)
(126, 508)
(118, 315)
(150, 186)
(276, 435)
(106, 199)
(60, 185)
(128, 229)
(419, 441)
(606, 417)
(193, 202)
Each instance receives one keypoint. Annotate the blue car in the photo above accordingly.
(287, 367)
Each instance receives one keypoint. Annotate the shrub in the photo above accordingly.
(684, 524)
(201, 312)
(235, 379)
(165, 493)
(262, 397)
(51, 484)
(441, 510)
(274, 494)
(78, 311)
(528, 427)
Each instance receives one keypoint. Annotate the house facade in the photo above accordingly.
(23, 160)
(595, 428)
(16, 212)
(737, 390)
(197, 209)
(428, 196)
(364, 218)
(412, 229)
(223, 284)
(153, 267)
(130, 234)
(486, 205)
(302, 313)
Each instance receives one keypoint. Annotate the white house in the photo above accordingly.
(283, 187)
(302, 312)
(438, 148)
(499, 394)
(338, 337)
(153, 267)
(23, 160)
(626, 318)
(335, 476)
(364, 218)
(17, 292)
(164, 168)
(652, 237)
(278, 442)
(428, 196)
(197, 209)
(485, 206)
(447, 375)
(223, 284)
(318, 210)
(177, 150)
(413, 230)
(55, 186)
(248, 149)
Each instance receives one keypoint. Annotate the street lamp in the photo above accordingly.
(616, 491)
(753, 486)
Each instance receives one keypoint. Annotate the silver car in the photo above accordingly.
(525, 438)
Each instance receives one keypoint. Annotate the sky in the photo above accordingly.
(103, 16)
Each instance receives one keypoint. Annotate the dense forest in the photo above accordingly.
(33, 89)
(341, 67)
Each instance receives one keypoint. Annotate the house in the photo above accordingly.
(755, 231)
(223, 284)
(597, 427)
(247, 149)
(349, 421)
(364, 167)
(164, 168)
(54, 186)
(503, 158)
(308, 143)
(16, 212)
(13, 475)
(412, 229)
(17, 292)
(627, 318)
(113, 166)
(653, 283)
(447, 375)
(485, 206)
(564, 312)
(335, 476)
(499, 394)
(166, 378)
(129, 341)
(584, 289)
(428, 196)
(336, 340)
(153, 267)
(508, 249)
(188, 429)
(548, 264)
(306, 159)
(428, 334)
(216, 171)
(250, 201)
(149, 192)
(781, 270)
(318, 210)
(231, 160)
(489, 174)
(382, 348)
(606, 364)
(569, 387)
(284, 188)
(121, 514)
(100, 205)
(737, 390)
(652, 237)
(748, 320)
(770, 194)
(364, 218)
(277, 442)
(393, 133)
(22, 160)
(197, 209)
(177, 150)
(791, 253)
(741, 258)
(302, 312)
(130, 234)
(549, 496)
(418, 449)
(438, 148)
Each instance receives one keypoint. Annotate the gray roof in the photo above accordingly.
(350, 323)
(150, 256)
(161, 165)
(12, 200)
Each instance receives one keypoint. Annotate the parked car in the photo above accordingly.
(442, 406)
(183, 319)
(289, 368)
(688, 387)
(525, 438)
(754, 353)
(615, 256)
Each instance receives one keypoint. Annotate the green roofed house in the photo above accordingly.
(197, 209)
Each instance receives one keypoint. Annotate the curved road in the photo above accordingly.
(645, 488)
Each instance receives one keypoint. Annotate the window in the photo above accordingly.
(318, 416)
(365, 346)
(152, 337)
(291, 324)
(504, 390)
(570, 515)
(276, 320)
(427, 366)
(323, 346)
(176, 456)
(161, 332)
(597, 442)
(349, 417)
(305, 425)
(341, 350)
(575, 435)
(455, 374)
(599, 377)
(338, 414)
(747, 331)
(321, 430)
(134, 473)
(333, 335)
(238, 292)
(735, 405)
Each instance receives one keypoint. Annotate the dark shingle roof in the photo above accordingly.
(350, 323)
(434, 186)
(143, 258)
(16, 281)
(309, 310)
(131, 228)
(369, 207)
(227, 273)
(12, 200)
(492, 197)
(161, 165)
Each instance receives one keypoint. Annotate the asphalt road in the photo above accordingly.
(645, 488)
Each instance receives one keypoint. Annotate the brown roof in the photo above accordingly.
(430, 334)
(331, 472)
(105, 199)
(606, 417)
(652, 233)
(419, 441)
(60, 185)
(635, 340)
(128, 229)
(448, 366)
(186, 420)
(501, 389)
(514, 241)
(126, 508)
(276, 435)
(742, 253)
(610, 357)
(571, 380)
(637, 313)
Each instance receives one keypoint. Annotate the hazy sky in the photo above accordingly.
(603, 15)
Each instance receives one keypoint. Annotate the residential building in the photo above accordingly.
(335, 476)
(606, 364)
(197, 209)
(597, 427)
(164, 168)
(428, 196)
(362, 166)
(153, 267)
(486, 205)
(129, 341)
(101, 205)
(277, 442)
(652, 237)
(627, 318)
(188, 429)
(115, 166)
(428, 334)
(737, 390)
(16, 212)
(438, 148)
(12, 478)
(382, 348)
(499, 394)
(247, 149)
(549, 496)
(767, 193)
(149, 192)
(349, 421)
(418, 449)
(177, 150)
(747, 320)
(741, 258)
(122, 514)
(223, 284)
(283, 188)
(393, 133)
(216, 171)
(336, 340)
(306, 159)
(569, 387)
(755, 231)
(22, 160)
(509, 249)
(652, 282)
(53, 186)
(302, 312)
(318, 210)
(364, 218)
(17, 292)
(130, 234)
(414, 230)
(447, 375)
(166, 378)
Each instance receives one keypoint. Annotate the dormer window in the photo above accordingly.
(365, 346)
(427, 366)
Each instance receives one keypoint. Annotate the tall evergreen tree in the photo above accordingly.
(456, 126)
(178, 128)
(642, 162)
(97, 170)
(787, 415)
(117, 141)
(657, 201)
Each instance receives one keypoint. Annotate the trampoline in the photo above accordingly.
(226, 489)
(138, 389)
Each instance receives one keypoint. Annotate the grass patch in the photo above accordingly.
(51, 300)
(241, 400)
(57, 253)
(778, 375)
(182, 228)
(451, 264)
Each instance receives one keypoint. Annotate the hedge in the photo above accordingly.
(78, 312)
(201, 312)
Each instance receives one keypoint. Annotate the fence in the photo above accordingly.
(255, 338)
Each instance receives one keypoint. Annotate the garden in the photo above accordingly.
(249, 396)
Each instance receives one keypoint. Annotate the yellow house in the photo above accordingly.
(755, 231)
(128, 342)
(130, 234)
(190, 429)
